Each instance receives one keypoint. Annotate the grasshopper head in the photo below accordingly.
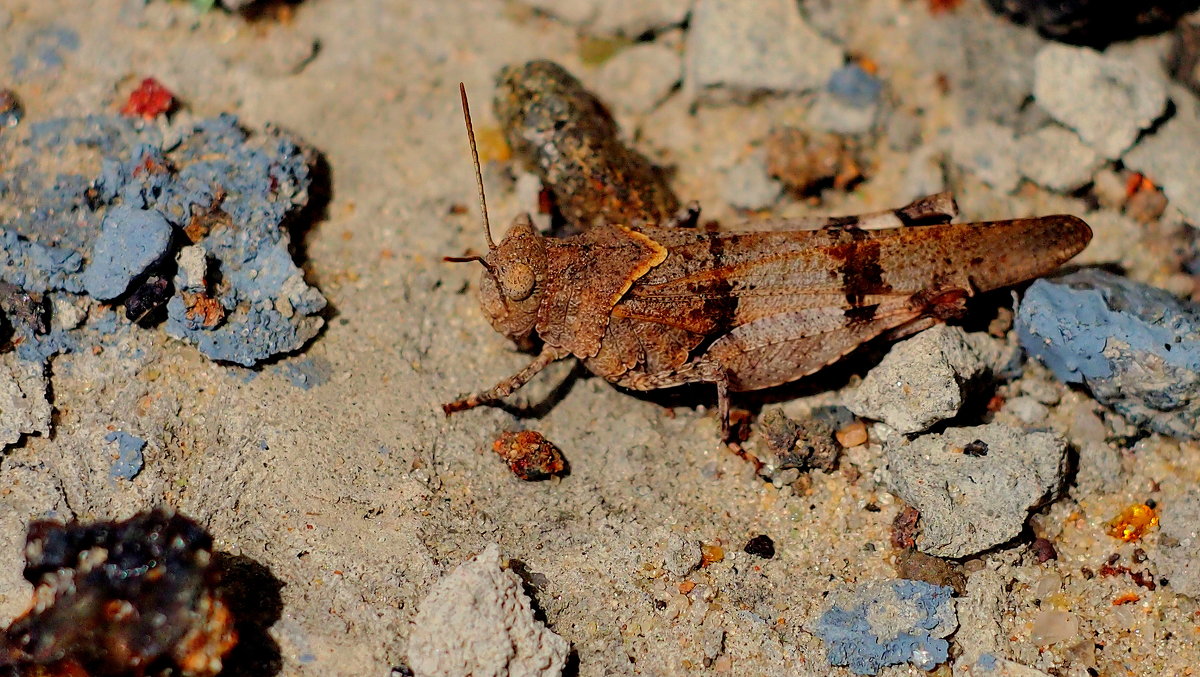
(514, 271)
(511, 287)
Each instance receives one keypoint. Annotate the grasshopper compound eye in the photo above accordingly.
(516, 281)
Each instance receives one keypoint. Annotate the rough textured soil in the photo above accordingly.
(357, 494)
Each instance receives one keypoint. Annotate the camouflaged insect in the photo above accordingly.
(648, 307)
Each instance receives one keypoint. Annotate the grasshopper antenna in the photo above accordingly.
(487, 227)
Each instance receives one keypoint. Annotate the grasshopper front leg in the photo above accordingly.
(509, 385)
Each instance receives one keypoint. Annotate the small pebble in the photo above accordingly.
(927, 378)
(1133, 523)
(761, 546)
(969, 504)
(990, 152)
(806, 163)
(529, 455)
(131, 240)
(1168, 158)
(683, 556)
(855, 86)
(477, 620)
(1052, 626)
(1055, 158)
(711, 553)
(640, 77)
(1027, 410)
(150, 100)
(852, 435)
(11, 110)
(1044, 550)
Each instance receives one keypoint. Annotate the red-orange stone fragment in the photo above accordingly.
(939, 6)
(203, 309)
(149, 100)
(710, 553)
(1127, 598)
(852, 435)
(529, 455)
(1133, 522)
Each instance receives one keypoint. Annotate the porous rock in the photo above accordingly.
(477, 621)
(1055, 158)
(970, 502)
(747, 185)
(989, 151)
(1168, 157)
(980, 613)
(216, 184)
(988, 665)
(131, 240)
(631, 18)
(683, 556)
(880, 623)
(638, 78)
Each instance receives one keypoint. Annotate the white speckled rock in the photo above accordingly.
(1057, 159)
(1107, 100)
(477, 621)
(738, 48)
(970, 502)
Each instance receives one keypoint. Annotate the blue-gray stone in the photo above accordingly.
(882, 623)
(129, 455)
(1136, 347)
(131, 240)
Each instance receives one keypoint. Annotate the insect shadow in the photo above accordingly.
(252, 593)
(527, 410)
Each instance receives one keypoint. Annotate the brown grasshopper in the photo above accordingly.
(657, 307)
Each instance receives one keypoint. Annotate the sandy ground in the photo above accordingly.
(357, 493)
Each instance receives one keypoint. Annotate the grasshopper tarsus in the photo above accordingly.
(458, 405)
(737, 448)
